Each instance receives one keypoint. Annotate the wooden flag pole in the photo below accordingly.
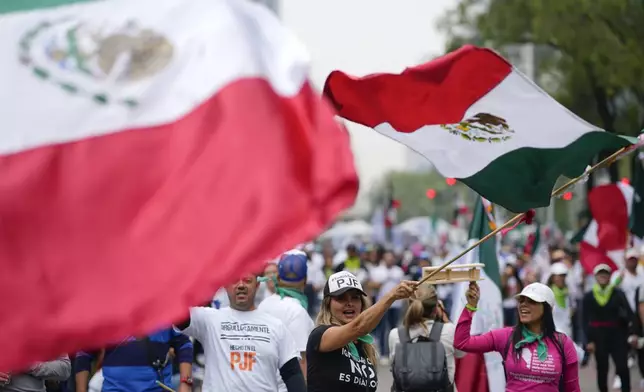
(517, 218)
(163, 386)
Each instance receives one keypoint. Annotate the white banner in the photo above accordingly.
(488, 317)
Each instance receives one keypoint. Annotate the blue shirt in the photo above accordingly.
(127, 367)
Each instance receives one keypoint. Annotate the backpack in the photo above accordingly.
(559, 342)
(420, 366)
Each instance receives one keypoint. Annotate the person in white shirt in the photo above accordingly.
(244, 347)
(632, 277)
(562, 311)
(315, 278)
(385, 277)
(289, 303)
(423, 312)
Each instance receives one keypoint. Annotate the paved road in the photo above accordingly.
(587, 377)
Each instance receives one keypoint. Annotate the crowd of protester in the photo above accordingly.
(599, 311)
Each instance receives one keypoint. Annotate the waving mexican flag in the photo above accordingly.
(151, 152)
(477, 119)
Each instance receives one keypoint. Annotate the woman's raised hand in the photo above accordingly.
(405, 289)
(473, 294)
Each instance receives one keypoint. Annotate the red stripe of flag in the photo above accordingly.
(438, 92)
(117, 235)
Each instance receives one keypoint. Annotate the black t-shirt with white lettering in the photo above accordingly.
(337, 371)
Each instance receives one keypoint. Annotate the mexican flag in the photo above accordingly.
(473, 367)
(151, 152)
(606, 237)
(479, 120)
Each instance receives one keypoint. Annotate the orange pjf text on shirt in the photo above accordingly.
(242, 360)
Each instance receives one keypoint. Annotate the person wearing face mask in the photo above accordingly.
(246, 349)
(609, 323)
(340, 353)
(535, 356)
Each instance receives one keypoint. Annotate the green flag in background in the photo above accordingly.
(637, 212)
(490, 308)
(483, 224)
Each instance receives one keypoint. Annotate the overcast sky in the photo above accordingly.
(366, 36)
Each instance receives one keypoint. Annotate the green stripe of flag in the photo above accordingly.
(479, 228)
(637, 212)
(7, 6)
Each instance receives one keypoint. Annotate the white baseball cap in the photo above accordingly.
(538, 292)
(341, 282)
(558, 269)
(602, 268)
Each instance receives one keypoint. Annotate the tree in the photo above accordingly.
(595, 47)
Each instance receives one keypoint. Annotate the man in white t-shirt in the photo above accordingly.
(244, 347)
(289, 303)
(632, 277)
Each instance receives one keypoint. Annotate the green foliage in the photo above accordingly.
(593, 50)
(410, 188)
(595, 46)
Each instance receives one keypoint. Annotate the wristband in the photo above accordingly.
(470, 307)
(186, 380)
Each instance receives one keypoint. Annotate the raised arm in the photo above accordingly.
(185, 323)
(462, 339)
(471, 344)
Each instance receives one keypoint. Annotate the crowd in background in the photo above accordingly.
(558, 266)
(380, 269)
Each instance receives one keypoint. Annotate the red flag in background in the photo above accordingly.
(610, 206)
(606, 236)
(115, 216)
(471, 374)
(391, 209)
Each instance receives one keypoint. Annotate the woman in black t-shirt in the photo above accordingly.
(340, 354)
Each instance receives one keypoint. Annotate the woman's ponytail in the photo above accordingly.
(415, 313)
(421, 308)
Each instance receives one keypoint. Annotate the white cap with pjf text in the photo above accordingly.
(341, 282)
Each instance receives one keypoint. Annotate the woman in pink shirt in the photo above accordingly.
(535, 357)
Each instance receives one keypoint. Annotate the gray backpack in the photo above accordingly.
(420, 366)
